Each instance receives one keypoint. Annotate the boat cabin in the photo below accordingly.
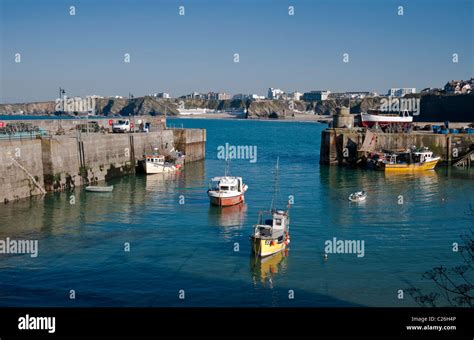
(226, 184)
(421, 157)
(408, 157)
(155, 159)
(274, 227)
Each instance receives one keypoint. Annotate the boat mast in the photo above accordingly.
(227, 167)
(275, 185)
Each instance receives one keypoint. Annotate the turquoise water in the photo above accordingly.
(190, 246)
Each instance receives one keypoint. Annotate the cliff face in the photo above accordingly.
(103, 106)
(433, 108)
(440, 108)
(135, 107)
(278, 108)
(39, 108)
(127, 107)
(275, 108)
(220, 105)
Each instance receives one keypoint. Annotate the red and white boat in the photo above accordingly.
(383, 119)
(226, 191)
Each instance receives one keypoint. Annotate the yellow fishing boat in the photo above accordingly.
(410, 160)
(271, 233)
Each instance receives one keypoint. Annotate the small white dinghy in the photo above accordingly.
(358, 196)
(95, 188)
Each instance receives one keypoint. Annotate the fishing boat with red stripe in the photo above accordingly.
(226, 190)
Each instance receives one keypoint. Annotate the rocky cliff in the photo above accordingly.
(39, 108)
(275, 108)
(440, 108)
(135, 107)
(433, 108)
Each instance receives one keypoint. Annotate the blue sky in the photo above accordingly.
(180, 54)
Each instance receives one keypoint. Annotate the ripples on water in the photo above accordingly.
(190, 246)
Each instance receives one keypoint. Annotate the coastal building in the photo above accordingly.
(433, 90)
(217, 96)
(401, 91)
(360, 94)
(240, 96)
(193, 95)
(459, 86)
(316, 95)
(163, 95)
(223, 96)
(352, 95)
(256, 97)
(296, 95)
(274, 93)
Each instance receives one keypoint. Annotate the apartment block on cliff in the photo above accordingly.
(459, 86)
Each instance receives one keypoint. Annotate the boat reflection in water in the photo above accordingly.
(232, 216)
(424, 181)
(164, 182)
(229, 220)
(265, 269)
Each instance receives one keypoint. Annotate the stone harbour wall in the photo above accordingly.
(447, 146)
(63, 162)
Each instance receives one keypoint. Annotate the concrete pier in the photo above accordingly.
(341, 146)
(63, 162)
(343, 118)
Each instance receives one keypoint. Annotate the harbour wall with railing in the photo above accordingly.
(30, 166)
(341, 146)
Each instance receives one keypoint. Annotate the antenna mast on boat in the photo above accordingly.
(227, 167)
(275, 185)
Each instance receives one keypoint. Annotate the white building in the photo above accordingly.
(316, 95)
(223, 96)
(163, 95)
(242, 96)
(296, 95)
(256, 96)
(401, 91)
(275, 93)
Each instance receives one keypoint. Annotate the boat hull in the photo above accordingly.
(265, 247)
(222, 201)
(369, 120)
(151, 168)
(429, 165)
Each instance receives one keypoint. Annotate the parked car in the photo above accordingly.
(121, 126)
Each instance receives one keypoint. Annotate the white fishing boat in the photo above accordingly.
(96, 188)
(156, 163)
(226, 191)
(358, 196)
